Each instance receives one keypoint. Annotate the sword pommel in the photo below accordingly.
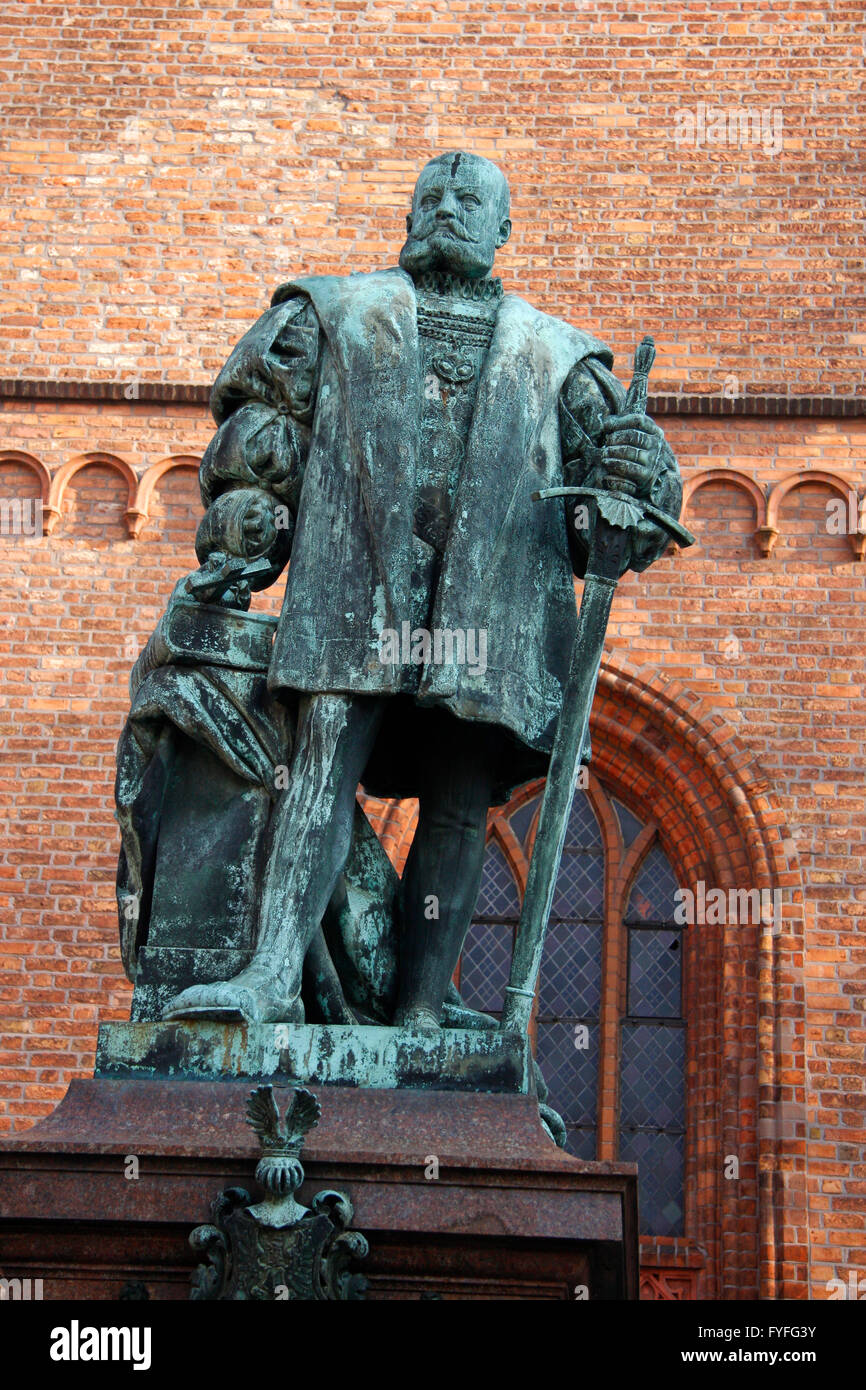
(636, 396)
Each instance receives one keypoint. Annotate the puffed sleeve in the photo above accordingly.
(263, 402)
(589, 396)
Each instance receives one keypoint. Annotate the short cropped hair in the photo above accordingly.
(456, 157)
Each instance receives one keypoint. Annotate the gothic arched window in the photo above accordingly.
(608, 1026)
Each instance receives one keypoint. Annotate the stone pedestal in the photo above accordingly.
(454, 1059)
(461, 1194)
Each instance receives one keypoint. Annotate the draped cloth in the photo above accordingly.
(229, 713)
(339, 356)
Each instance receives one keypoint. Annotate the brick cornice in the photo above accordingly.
(763, 403)
(661, 403)
(171, 392)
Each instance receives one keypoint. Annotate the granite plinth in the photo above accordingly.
(462, 1195)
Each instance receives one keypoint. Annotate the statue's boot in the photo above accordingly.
(442, 877)
(256, 995)
(309, 839)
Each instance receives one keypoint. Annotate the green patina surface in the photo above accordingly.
(453, 1059)
(414, 440)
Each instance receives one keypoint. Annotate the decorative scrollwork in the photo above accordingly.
(278, 1249)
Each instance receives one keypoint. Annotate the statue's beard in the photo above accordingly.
(445, 248)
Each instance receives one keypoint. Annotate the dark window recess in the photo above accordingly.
(569, 995)
(653, 1049)
(486, 960)
(653, 1032)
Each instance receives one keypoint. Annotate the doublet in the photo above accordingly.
(456, 318)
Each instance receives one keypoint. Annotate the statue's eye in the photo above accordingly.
(469, 200)
(429, 201)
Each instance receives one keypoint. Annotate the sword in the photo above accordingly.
(613, 513)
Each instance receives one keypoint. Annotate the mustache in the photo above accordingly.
(450, 229)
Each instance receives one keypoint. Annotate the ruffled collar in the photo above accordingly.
(447, 284)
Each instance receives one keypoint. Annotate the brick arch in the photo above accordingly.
(673, 760)
(67, 471)
(842, 487)
(34, 464)
(671, 757)
(739, 480)
(147, 485)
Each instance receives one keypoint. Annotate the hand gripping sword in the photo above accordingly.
(614, 513)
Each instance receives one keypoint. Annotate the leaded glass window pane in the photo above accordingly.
(486, 965)
(583, 829)
(653, 1053)
(652, 1038)
(570, 985)
(654, 973)
(651, 1077)
(580, 886)
(660, 1179)
(498, 897)
(486, 960)
(581, 1141)
(523, 817)
(628, 824)
(652, 896)
(571, 971)
(570, 1069)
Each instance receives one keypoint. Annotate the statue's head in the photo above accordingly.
(459, 216)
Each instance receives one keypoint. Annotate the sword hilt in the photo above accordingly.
(636, 396)
(646, 510)
(635, 403)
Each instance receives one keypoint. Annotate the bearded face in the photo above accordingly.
(459, 217)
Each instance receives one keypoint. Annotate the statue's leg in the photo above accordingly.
(309, 838)
(443, 871)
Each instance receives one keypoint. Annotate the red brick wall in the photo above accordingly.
(793, 686)
(769, 644)
(165, 166)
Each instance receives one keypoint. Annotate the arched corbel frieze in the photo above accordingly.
(67, 471)
(34, 464)
(843, 488)
(140, 514)
(745, 484)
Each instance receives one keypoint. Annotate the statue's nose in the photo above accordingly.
(447, 208)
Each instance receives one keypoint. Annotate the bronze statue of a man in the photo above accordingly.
(429, 610)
